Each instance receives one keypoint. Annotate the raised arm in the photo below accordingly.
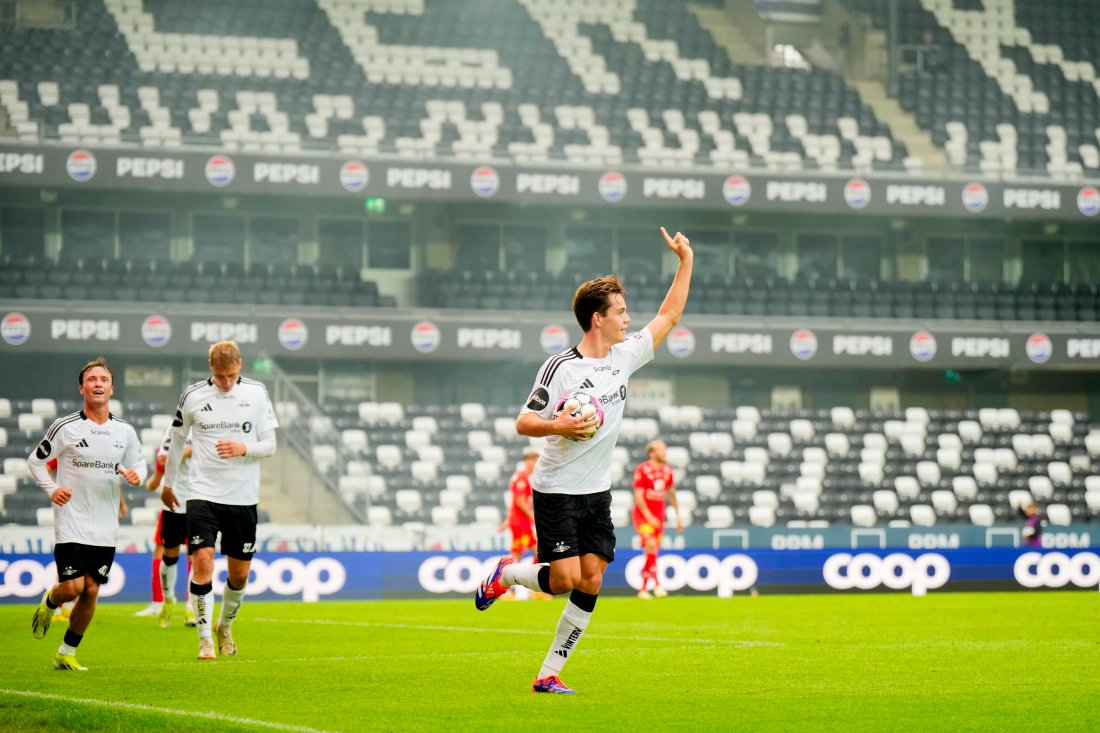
(673, 306)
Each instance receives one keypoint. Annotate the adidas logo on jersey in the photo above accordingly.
(206, 408)
(83, 443)
(587, 384)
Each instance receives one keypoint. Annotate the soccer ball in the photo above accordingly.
(577, 404)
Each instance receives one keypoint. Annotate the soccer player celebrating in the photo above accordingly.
(652, 484)
(232, 425)
(171, 533)
(93, 448)
(572, 479)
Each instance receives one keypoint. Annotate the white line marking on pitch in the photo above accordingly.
(166, 711)
(431, 627)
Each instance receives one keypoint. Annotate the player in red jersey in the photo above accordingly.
(653, 483)
(521, 512)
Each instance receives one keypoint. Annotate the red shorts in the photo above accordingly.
(646, 530)
(523, 537)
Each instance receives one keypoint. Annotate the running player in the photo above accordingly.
(653, 483)
(572, 479)
(232, 425)
(93, 448)
(171, 533)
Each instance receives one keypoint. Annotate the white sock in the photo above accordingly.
(571, 625)
(231, 604)
(66, 649)
(203, 606)
(168, 580)
(526, 575)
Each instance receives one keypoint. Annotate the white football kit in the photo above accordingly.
(244, 414)
(88, 458)
(570, 467)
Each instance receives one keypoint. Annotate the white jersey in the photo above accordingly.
(240, 415)
(183, 474)
(88, 457)
(570, 467)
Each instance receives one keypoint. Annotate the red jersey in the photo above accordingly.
(655, 481)
(521, 489)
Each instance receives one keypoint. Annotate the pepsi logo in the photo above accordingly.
(803, 344)
(80, 165)
(425, 337)
(857, 193)
(737, 190)
(554, 339)
(612, 187)
(15, 329)
(354, 176)
(922, 346)
(1039, 348)
(1088, 201)
(484, 181)
(975, 197)
(293, 334)
(681, 342)
(156, 331)
(220, 170)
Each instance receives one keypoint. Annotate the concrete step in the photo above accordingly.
(291, 492)
(902, 126)
(727, 35)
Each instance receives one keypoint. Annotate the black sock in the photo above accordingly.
(73, 639)
(50, 604)
(201, 589)
(583, 601)
(229, 585)
(544, 580)
(170, 561)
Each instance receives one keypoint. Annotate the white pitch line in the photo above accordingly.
(480, 629)
(166, 711)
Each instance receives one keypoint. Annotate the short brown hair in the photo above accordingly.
(594, 296)
(99, 361)
(225, 354)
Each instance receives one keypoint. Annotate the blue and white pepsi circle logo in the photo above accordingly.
(1088, 201)
(354, 176)
(80, 165)
(554, 339)
(484, 181)
(612, 187)
(156, 331)
(681, 342)
(857, 193)
(220, 170)
(293, 334)
(922, 346)
(425, 337)
(737, 190)
(15, 329)
(803, 344)
(1039, 348)
(975, 198)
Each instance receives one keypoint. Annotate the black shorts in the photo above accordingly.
(75, 560)
(237, 524)
(172, 529)
(569, 526)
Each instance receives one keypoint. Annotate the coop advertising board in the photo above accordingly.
(27, 326)
(311, 577)
(238, 173)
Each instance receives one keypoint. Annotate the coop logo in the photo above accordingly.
(15, 329)
(425, 337)
(922, 346)
(703, 572)
(288, 576)
(898, 571)
(462, 574)
(803, 344)
(211, 331)
(484, 181)
(1088, 201)
(354, 176)
(220, 171)
(848, 345)
(1083, 348)
(156, 331)
(673, 188)
(681, 342)
(436, 179)
(489, 338)
(796, 192)
(1038, 348)
(737, 190)
(293, 334)
(741, 343)
(27, 578)
(975, 198)
(612, 187)
(857, 193)
(1032, 198)
(974, 347)
(80, 166)
(26, 163)
(546, 183)
(84, 329)
(166, 168)
(907, 195)
(554, 339)
(1056, 570)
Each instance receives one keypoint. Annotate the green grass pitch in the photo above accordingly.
(882, 662)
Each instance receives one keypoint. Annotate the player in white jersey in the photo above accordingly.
(572, 480)
(171, 533)
(93, 448)
(232, 425)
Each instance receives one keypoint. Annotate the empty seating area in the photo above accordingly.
(188, 282)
